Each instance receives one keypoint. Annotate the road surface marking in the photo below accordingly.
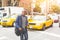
(45, 33)
(4, 37)
(0, 26)
(51, 34)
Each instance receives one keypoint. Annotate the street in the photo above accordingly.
(36, 14)
(52, 33)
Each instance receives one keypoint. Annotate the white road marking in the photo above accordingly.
(46, 39)
(0, 26)
(3, 37)
(45, 33)
(55, 24)
(51, 34)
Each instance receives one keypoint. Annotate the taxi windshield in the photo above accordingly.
(12, 16)
(7, 17)
(39, 18)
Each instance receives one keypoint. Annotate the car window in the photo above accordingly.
(39, 18)
(13, 16)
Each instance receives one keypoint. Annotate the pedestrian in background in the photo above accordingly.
(59, 20)
(21, 25)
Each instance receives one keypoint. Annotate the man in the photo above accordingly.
(21, 24)
(59, 19)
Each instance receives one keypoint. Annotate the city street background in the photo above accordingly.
(9, 8)
(52, 33)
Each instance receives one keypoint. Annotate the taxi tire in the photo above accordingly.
(43, 29)
(51, 25)
(13, 24)
(4, 26)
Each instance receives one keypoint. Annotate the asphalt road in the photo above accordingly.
(52, 33)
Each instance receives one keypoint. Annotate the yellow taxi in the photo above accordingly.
(8, 21)
(0, 21)
(40, 22)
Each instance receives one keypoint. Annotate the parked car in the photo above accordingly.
(0, 21)
(40, 22)
(8, 21)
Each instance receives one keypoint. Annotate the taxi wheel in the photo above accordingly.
(43, 28)
(4, 26)
(51, 25)
(13, 24)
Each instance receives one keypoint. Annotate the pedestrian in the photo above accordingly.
(59, 20)
(21, 24)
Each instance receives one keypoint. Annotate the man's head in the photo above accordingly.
(24, 12)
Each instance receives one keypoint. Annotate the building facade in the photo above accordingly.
(26, 4)
(4, 3)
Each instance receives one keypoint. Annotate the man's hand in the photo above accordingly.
(20, 29)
